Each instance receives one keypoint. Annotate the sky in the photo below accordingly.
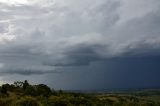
(81, 44)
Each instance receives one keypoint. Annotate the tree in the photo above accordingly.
(43, 90)
(4, 89)
(30, 90)
(25, 84)
(18, 84)
(60, 91)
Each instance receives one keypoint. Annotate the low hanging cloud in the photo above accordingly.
(38, 39)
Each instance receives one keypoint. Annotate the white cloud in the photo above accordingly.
(6, 38)
(14, 1)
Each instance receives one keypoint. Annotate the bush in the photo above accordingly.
(30, 90)
(43, 90)
(28, 101)
(7, 101)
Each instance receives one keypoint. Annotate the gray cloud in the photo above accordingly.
(27, 72)
(26, 69)
(60, 33)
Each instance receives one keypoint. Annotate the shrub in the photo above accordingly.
(43, 90)
(28, 101)
(7, 101)
(30, 90)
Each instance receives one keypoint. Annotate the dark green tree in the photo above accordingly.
(25, 84)
(4, 89)
(43, 90)
(30, 90)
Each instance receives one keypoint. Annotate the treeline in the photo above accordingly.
(24, 88)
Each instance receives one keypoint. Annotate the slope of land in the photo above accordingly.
(25, 94)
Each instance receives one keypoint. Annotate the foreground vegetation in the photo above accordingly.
(25, 94)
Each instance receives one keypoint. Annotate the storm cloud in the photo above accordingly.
(46, 36)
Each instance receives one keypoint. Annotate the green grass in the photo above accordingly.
(73, 99)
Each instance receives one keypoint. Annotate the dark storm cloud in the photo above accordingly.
(60, 33)
(26, 72)
(79, 55)
(138, 37)
(27, 69)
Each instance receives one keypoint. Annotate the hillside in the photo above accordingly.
(25, 94)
